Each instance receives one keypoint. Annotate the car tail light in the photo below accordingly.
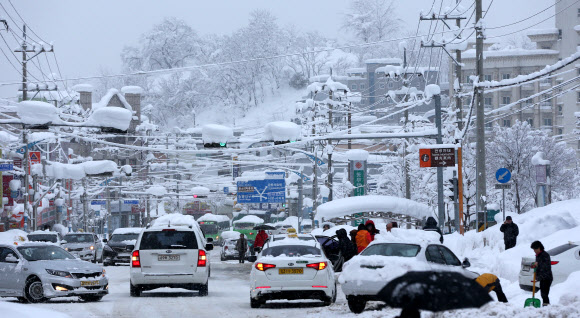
(251, 233)
(167, 230)
(226, 248)
(135, 261)
(263, 266)
(261, 287)
(319, 286)
(318, 266)
(554, 262)
(201, 258)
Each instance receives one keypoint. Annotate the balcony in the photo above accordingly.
(528, 87)
(546, 83)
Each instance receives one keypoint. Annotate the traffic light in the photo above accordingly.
(452, 189)
(277, 142)
(215, 145)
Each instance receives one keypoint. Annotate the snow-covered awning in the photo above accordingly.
(372, 203)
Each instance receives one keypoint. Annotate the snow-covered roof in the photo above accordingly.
(470, 54)
(213, 217)
(175, 219)
(387, 60)
(131, 90)
(356, 70)
(43, 232)
(543, 31)
(250, 219)
(113, 117)
(392, 70)
(83, 88)
(112, 93)
(372, 203)
(282, 131)
(128, 230)
(331, 85)
(214, 133)
(200, 191)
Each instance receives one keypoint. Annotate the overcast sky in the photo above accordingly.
(89, 35)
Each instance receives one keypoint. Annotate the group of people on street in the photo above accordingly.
(242, 244)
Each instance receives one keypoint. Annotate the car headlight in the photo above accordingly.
(92, 247)
(66, 249)
(59, 273)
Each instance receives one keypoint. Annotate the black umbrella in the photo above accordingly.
(264, 227)
(434, 291)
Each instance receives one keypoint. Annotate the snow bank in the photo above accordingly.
(372, 203)
(131, 90)
(13, 236)
(213, 133)
(213, 217)
(13, 309)
(157, 191)
(250, 219)
(282, 131)
(111, 117)
(357, 155)
(174, 219)
(37, 113)
(200, 191)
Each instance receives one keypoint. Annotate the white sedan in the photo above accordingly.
(565, 260)
(367, 273)
(292, 269)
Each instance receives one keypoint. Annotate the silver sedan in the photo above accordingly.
(36, 272)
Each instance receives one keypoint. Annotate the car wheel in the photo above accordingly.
(204, 289)
(91, 297)
(222, 258)
(356, 304)
(135, 291)
(256, 303)
(33, 290)
(22, 300)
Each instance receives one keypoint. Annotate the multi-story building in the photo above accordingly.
(553, 115)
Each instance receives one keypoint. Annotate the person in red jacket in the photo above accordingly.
(370, 225)
(260, 239)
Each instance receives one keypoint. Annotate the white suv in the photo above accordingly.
(170, 254)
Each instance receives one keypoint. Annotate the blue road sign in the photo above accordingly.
(131, 201)
(98, 202)
(304, 178)
(30, 145)
(226, 190)
(6, 167)
(263, 191)
(503, 175)
(315, 159)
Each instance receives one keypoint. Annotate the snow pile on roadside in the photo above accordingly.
(12, 236)
(282, 131)
(250, 219)
(12, 309)
(382, 268)
(497, 309)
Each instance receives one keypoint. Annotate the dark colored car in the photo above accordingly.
(118, 249)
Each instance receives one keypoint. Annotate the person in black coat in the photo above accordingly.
(543, 266)
(510, 232)
(345, 245)
(431, 225)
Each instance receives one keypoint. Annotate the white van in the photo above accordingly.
(170, 254)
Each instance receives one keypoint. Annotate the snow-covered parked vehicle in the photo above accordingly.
(172, 252)
(229, 252)
(119, 247)
(50, 272)
(390, 256)
(292, 269)
(86, 246)
(45, 236)
(565, 260)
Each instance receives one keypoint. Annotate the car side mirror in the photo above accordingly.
(209, 240)
(466, 263)
(130, 248)
(209, 247)
(11, 259)
(105, 240)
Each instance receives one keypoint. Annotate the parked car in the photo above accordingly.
(565, 260)
(292, 269)
(170, 254)
(49, 272)
(367, 273)
(119, 247)
(86, 246)
(229, 252)
(45, 236)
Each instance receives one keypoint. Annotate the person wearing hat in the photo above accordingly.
(510, 232)
(491, 282)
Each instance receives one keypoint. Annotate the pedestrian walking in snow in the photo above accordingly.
(241, 247)
(345, 245)
(391, 225)
(370, 225)
(543, 266)
(510, 232)
(363, 238)
(431, 225)
(261, 238)
(491, 282)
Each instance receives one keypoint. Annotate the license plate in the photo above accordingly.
(290, 271)
(168, 257)
(89, 283)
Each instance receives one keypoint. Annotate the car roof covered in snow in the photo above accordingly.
(128, 230)
(292, 241)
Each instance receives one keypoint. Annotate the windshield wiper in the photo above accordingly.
(178, 245)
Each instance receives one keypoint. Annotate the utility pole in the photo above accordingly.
(121, 201)
(405, 141)
(349, 123)
(84, 204)
(440, 202)
(330, 105)
(480, 120)
(34, 206)
(329, 174)
(300, 212)
(108, 194)
(178, 175)
(26, 165)
(458, 102)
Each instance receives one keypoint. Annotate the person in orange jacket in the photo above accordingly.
(363, 238)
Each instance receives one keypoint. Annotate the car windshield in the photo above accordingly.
(292, 251)
(561, 249)
(243, 226)
(163, 240)
(79, 238)
(44, 253)
(42, 238)
(124, 237)
(392, 249)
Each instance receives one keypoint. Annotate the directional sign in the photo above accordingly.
(437, 157)
(262, 191)
(503, 175)
(6, 167)
(130, 201)
(503, 186)
(99, 202)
